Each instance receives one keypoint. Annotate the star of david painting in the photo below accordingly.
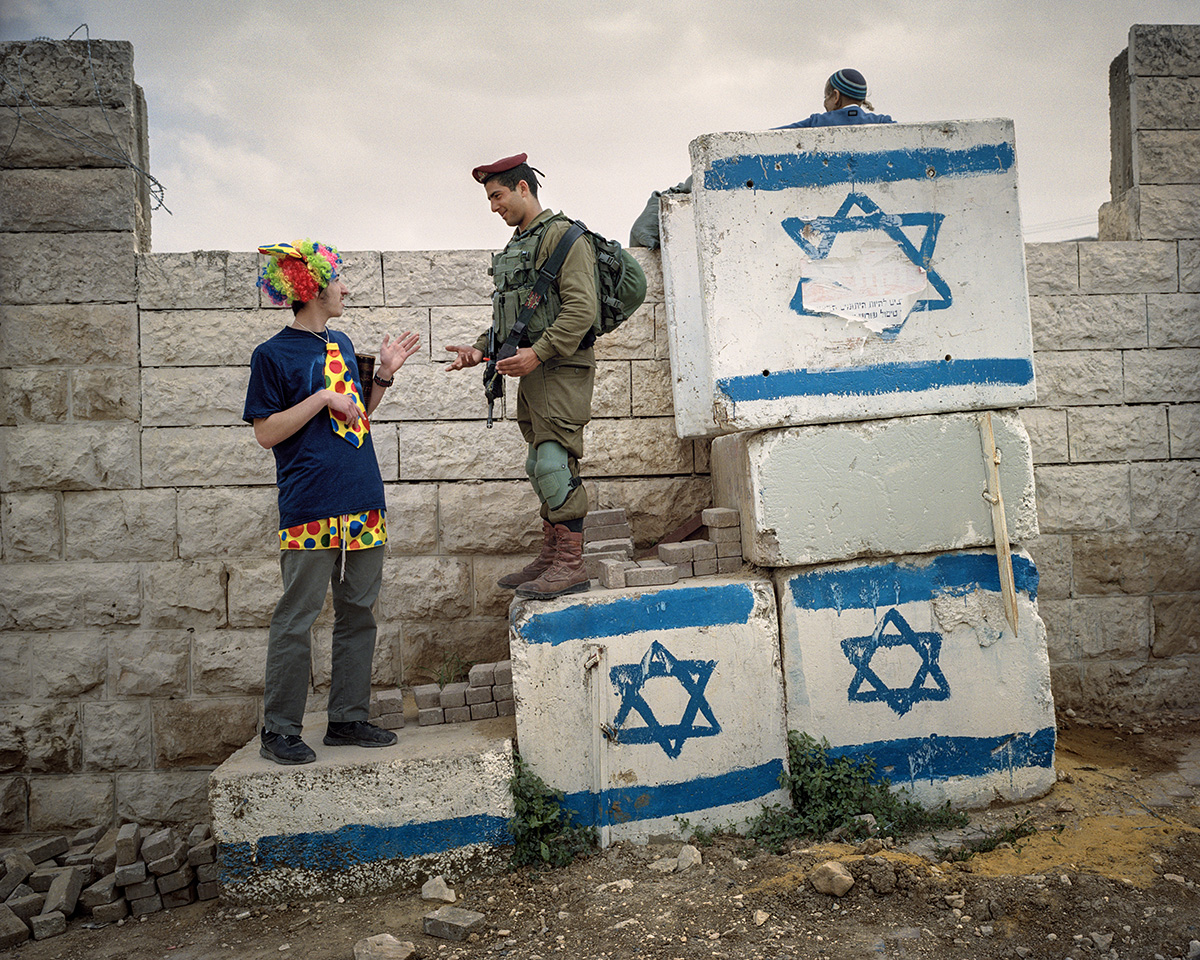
(629, 681)
(893, 630)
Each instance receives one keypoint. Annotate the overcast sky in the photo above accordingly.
(357, 123)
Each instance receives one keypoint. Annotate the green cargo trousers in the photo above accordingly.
(306, 576)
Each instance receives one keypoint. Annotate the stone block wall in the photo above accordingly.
(1116, 430)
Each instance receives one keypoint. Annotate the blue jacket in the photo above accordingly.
(845, 117)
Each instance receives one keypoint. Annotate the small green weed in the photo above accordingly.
(828, 793)
(542, 829)
(453, 669)
(1020, 829)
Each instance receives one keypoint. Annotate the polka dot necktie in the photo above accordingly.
(339, 379)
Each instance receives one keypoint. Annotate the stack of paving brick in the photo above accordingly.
(487, 692)
(716, 549)
(109, 874)
(387, 709)
(607, 535)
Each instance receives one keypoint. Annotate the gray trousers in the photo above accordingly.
(306, 576)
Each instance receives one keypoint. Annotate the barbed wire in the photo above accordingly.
(55, 125)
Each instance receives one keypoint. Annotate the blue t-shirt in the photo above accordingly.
(319, 474)
(845, 117)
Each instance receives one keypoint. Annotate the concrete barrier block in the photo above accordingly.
(359, 820)
(892, 660)
(877, 488)
(690, 729)
(855, 272)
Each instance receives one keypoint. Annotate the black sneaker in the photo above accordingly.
(357, 733)
(285, 748)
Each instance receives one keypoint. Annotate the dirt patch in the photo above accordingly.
(1114, 866)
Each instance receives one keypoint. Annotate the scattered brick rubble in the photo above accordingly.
(387, 709)
(716, 549)
(487, 692)
(107, 874)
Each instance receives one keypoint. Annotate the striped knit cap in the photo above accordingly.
(851, 83)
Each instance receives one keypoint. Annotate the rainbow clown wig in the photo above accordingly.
(297, 272)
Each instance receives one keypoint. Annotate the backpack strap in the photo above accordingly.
(546, 276)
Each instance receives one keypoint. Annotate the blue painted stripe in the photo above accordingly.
(876, 379)
(357, 844)
(940, 758)
(674, 799)
(890, 584)
(664, 610)
(783, 171)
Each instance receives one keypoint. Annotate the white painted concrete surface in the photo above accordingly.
(848, 273)
(818, 494)
(362, 820)
(650, 705)
(911, 661)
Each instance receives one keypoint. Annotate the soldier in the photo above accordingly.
(555, 366)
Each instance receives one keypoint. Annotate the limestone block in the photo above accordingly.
(69, 803)
(817, 494)
(14, 803)
(68, 665)
(13, 930)
(1052, 267)
(1169, 376)
(1137, 563)
(205, 337)
(68, 201)
(1168, 103)
(120, 525)
(1184, 432)
(190, 733)
(655, 505)
(362, 272)
(1111, 628)
(70, 457)
(412, 517)
(1118, 219)
(460, 451)
(1163, 495)
(652, 388)
(148, 663)
(228, 662)
(1118, 433)
(201, 456)
(1072, 377)
(203, 279)
(489, 517)
(40, 738)
(183, 594)
(1138, 687)
(1083, 498)
(424, 391)
(35, 396)
(1176, 626)
(79, 594)
(193, 396)
(1167, 156)
(116, 736)
(1148, 266)
(1054, 560)
(67, 333)
(1168, 212)
(253, 589)
(651, 264)
(1189, 266)
(230, 522)
(426, 644)
(1047, 433)
(1163, 49)
(16, 677)
(45, 925)
(1174, 319)
(105, 394)
(1062, 645)
(611, 396)
(69, 72)
(856, 634)
(35, 142)
(667, 682)
(1088, 322)
(635, 448)
(31, 527)
(461, 325)
(67, 267)
(635, 339)
(420, 587)
(433, 278)
(489, 599)
(165, 796)
(384, 440)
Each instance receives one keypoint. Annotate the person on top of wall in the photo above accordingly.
(555, 364)
(846, 105)
(305, 401)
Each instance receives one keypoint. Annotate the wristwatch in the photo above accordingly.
(383, 383)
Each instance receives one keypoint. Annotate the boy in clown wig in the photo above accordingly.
(305, 402)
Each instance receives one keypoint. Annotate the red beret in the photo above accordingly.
(490, 170)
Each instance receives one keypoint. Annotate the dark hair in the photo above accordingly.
(297, 306)
(510, 178)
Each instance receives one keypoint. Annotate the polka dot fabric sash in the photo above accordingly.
(339, 379)
(361, 531)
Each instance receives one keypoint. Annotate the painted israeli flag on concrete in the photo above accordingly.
(849, 273)
(912, 662)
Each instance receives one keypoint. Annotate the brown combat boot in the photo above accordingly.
(566, 574)
(510, 581)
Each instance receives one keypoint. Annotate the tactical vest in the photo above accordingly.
(514, 271)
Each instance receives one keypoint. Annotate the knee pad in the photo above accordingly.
(531, 466)
(552, 474)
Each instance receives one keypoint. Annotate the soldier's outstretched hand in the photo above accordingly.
(467, 357)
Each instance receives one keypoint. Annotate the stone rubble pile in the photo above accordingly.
(717, 549)
(126, 871)
(487, 692)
